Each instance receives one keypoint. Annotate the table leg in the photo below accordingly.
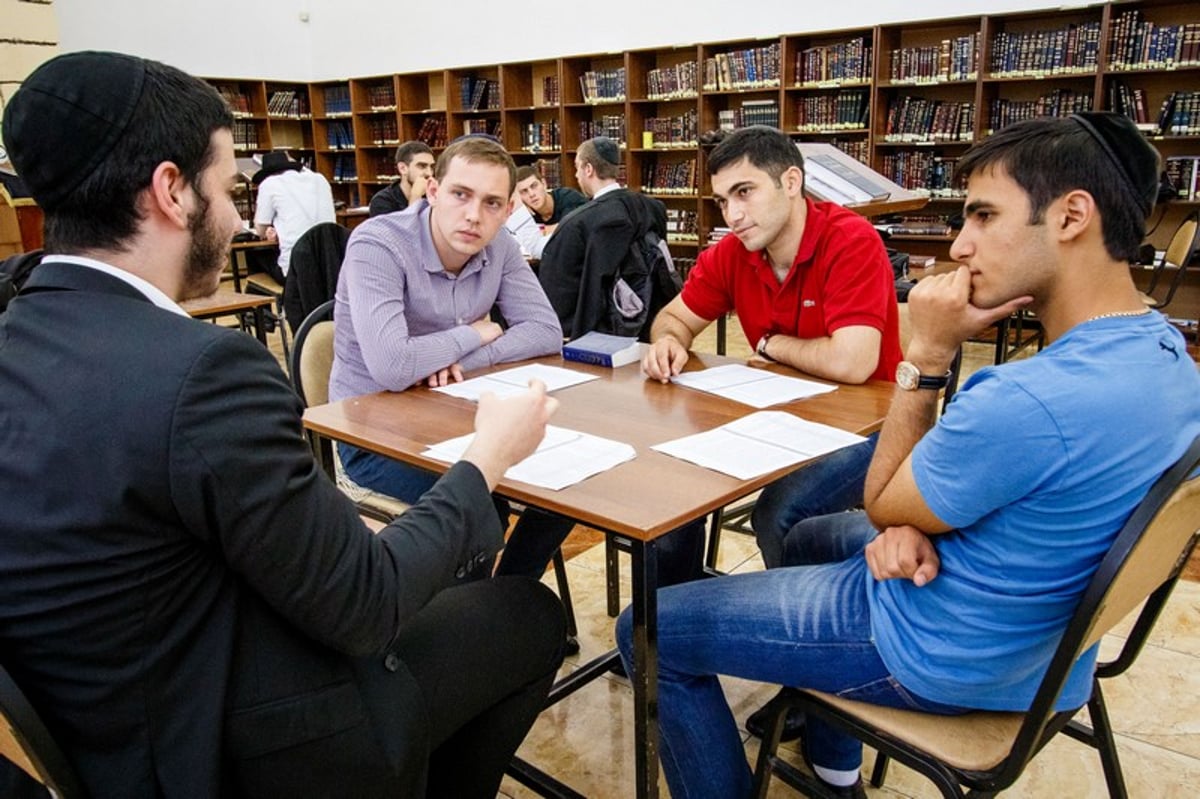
(645, 667)
(237, 262)
(612, 576)
(260, 325)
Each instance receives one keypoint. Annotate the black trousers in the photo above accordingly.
(449, 702)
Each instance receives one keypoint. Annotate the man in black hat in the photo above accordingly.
(290, 200)
(190, 604)
(982, 526)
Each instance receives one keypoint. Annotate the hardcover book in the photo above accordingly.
(603, 349)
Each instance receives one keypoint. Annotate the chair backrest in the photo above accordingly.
(1179, 253)
(313, 269)
(312, 355)
(1142, 565)
(25, 741)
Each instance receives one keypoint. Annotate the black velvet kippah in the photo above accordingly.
(67, 117)
(1136, 161)
(607, 149)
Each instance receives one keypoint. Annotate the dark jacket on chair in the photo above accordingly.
(312, 276)
(182, 592)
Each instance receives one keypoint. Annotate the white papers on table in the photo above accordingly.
(564, 457)
(759, 443)
(755, 387)
(515, 380)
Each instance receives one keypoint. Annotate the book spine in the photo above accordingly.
(580, 356)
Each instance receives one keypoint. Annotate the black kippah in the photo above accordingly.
(1136, 161)
(67, 117)
(607, 149)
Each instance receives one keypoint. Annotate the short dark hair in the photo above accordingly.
(477, 149)
(406, 151)
(526, 171)
(1050, 156)
(174, 120)
(767, 148)
(590, 152)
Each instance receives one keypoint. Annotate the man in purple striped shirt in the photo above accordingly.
(413, 303)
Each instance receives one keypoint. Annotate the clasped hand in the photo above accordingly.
(903, 552)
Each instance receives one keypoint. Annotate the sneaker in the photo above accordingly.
(793, 727)
(855, 791)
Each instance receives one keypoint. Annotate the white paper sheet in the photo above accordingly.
(759, 443)
(564, 457)
(758, 388)
(515, 380)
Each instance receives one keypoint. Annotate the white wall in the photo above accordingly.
(345, 38)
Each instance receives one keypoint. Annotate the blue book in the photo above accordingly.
(603, 349)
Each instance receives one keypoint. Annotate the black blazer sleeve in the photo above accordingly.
(244, 480)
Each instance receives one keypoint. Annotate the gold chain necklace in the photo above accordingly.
(1114, 314)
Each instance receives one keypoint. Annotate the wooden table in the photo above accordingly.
(237, 258)
(226, 303)
(633, 504)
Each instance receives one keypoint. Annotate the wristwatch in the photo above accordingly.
(761, 349)
(909, 378)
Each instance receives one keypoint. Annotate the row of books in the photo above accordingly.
(1058, 103)
(683, 225)
(1073, 49)
(752, 68)
(845, 62)
(751, 112)
(541, 136)
(950, 59)
(858, 148)
(290, 104)
(678, 82)
(337, 100)
(922, 171)
(1184, 173)
(479, 94)
(433, 130)
(550, 91)
(384, 167)
(340, 134)
(674, 131)
(610, 125)
(1180, 114)
(915, 225)
(490, 127)
(603, 85)
(245, 135)
(345, 170)
(381, 97)
(1137, 43)
(915, 119)
(1130, 102)
(383, 130)
(237, 100)
(551, 171)
(669, 177)
(848, 109)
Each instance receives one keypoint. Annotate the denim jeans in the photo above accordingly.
(537, 534)
(802, 626)
(834, 483)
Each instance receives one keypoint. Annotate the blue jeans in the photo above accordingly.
(803, 626)
(537, 535)
(834, 483)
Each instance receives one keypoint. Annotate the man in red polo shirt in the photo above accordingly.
(813, 288)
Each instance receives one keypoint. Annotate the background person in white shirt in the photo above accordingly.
(291, 199)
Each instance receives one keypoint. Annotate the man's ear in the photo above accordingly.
(166, 194)
(431, 191)
(1074, 212)
(793, 180)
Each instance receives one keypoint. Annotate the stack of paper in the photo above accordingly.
(758, 443)
(564, 457)
(756, 387)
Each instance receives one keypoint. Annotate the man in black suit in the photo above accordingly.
(190, 604)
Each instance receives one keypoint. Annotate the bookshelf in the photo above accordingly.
(905, 99)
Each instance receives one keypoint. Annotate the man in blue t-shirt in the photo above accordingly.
(982, 528)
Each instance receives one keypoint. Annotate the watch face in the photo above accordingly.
(907, 376)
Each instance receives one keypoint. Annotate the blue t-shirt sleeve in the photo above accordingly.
(995, 444)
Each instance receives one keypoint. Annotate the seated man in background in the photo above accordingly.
(528, 233)
(190, 604)
(986, 525)
(548, 206)
(593, 247)
(291, 199)
(414, 165)
(413, 303)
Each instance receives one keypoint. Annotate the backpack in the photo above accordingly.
(646, 282)
(14, 271)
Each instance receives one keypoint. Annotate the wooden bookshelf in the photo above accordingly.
(979, 70)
